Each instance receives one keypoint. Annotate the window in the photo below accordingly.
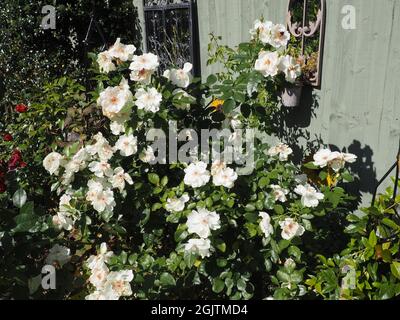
(171, 32)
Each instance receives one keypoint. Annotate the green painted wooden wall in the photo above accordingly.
(358, 105)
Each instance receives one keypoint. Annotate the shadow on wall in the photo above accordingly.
(293, 128)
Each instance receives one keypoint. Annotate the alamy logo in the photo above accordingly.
(48, 277)
(49, 20)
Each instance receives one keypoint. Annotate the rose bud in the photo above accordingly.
(21, 108)
(7, 137)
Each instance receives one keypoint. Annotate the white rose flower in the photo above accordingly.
(59, 254)
(127, 145)
(143, 67)
(202, 221)
(148, 155)
(149, 100)
(113, 100)
(217, 166)
(180, 77)
(104, 201)
(121, 51)
(176, 204)
(282, 150)
(225, 178)
(279, 36)
(62, 220)
(104, 59)
(267, 63)
(52, 162)
(322, 158)
(199, 246)
(197, 175)
(290, 229)
(100, 169)
(95, 187)
(262, 30)
(119, 282)
(310, 197)
(290, 68)
(98, 276)
(99, 260)
(265, 224)
(119, 178)
(117, 128)
(339, 160)
(279, 193)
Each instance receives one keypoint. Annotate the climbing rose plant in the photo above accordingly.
(134, 226)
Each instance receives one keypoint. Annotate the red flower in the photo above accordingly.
(15, 160)
(23, 164)
(7, 137)
(21, 108)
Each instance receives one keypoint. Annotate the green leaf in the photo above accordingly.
(311, 166)
(19, 198)
(264, 181)
(372, 239)
(229, 106)
(241, 285)
(212, 79)
(154, 178)
(167, 279)
(218, 285)
(189, 259)
(395, 268)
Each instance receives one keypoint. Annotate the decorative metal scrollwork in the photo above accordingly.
(306, 22)
(170, 32)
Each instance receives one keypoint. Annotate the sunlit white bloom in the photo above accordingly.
(95, 187)
(62, 220)
(290, 68)
(119, 282)
(180, 77)
(148, 100)
(52, 162)
(176, 204)
(225, 178)
(119, 178)
(82, 155)
(106, 65)
(100, 169)
(199, 246)
(113, 100)
(282, 150)
(104, 201)
(339, 160)
(107, 295)
(262, 30)
(117, 128)
(290, 229)
(217, 166)
(127, 145)
(197, 175)
(202, 221)
(98, 276)
(265, 224)
(310, 197)
(279, 36)
(322, 158)
(148, 155)
(100, 259)
(279, 193)
(267, 63)
(143, 67)
(58, 254)
(121, 51)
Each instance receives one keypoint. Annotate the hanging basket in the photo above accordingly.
(291, 95)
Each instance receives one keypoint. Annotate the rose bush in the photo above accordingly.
(133, 226)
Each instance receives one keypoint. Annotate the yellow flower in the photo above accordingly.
(217, 104)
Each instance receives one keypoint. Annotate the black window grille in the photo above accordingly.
(172, 32)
